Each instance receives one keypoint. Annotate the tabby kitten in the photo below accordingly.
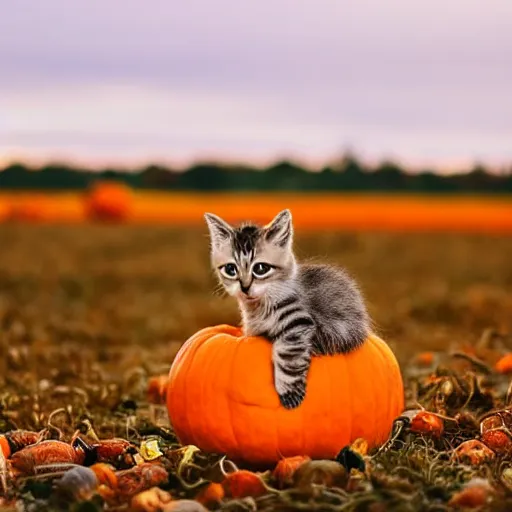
(303, 310)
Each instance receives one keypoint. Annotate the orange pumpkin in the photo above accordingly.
(221, 398)
(109, 201)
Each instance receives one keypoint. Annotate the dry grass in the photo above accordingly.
(96, 310)
(147, 286)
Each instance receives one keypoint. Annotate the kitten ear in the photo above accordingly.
(280, 230)
(220, 230)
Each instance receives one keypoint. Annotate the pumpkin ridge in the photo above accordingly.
(348, 418)
(392, 372)
(194, 347)
(189, 343)
(392, 363)
(213, 340)
(377, 350)
(202, 419)
(332, 405)
(233, 363)
(196, 342)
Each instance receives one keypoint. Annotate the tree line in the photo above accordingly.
(347, 175)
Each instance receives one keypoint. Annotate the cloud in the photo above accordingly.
(426, 80)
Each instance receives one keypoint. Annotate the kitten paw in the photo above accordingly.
(293, 398)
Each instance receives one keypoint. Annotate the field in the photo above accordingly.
(396, 212)
(89, 313)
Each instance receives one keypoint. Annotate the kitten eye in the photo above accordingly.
(261, 269)
(229, 270)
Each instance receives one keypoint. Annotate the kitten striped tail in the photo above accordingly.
(292, 348)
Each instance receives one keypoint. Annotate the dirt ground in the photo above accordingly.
(94, 311)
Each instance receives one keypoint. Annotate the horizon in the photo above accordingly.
(424, 85)
(311, 165)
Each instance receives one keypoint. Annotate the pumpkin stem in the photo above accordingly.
(45, 471)
(192, 487)
(398, 426)
(234, 467)
(51, 426)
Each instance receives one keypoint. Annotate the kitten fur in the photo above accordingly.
(303, 310)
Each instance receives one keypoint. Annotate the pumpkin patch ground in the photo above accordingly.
(91, 318)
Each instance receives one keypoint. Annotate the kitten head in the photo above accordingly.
(252, 261)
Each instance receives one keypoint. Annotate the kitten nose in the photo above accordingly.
(245, 289)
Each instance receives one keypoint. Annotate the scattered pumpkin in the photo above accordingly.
(427, 423)
(425, 358)
(211, 495)
(140, 478)
(473, 451)
(15, 440)
(243, 483)
(105, 474)
(499, 440)
(157, 389)
(285, 468)
(109, 201)
(496, 419)
(45, 452)
(504, 365)
(221, 398)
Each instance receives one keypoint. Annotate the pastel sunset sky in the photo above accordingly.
(131, 81)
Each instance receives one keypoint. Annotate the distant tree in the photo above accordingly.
(204, 177)
(390, 176)
(347, 174)
(286, 175)
(155, 176)
(14, 176)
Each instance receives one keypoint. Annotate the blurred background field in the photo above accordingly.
(118, 289)
(373, 211)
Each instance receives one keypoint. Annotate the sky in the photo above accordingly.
(126, 82)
